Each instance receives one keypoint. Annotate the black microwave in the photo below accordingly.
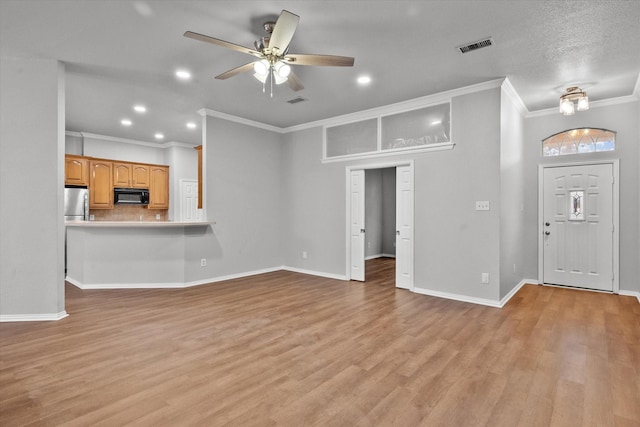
(130, 196)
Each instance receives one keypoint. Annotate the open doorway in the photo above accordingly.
(376, 236)
(380, 225)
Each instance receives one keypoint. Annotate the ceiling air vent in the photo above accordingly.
(475, 45)
(296, 100)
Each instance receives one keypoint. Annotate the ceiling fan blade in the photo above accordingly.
(283, 32)
(322, 60)
(213, 40)
(294, 82)
(237, 70)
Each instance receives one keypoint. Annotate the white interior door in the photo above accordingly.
(404, 224)
(577, 226)
(189, 201)
(356, 223)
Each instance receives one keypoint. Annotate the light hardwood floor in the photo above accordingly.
(289, 349)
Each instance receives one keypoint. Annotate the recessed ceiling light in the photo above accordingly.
(140, 108)
(126, 122)
(436, 122)
(183, 74)
(191, 125)
(159, 135)
(364, 80)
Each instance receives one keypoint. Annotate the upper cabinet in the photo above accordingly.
(100, 185)
(76, 170)
(159, 187)
(140, 176)
(121, 174)
(101, 176)
(130, 175)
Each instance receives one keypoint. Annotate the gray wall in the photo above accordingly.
(622, 118)
(454, 244)
(373, 198)
(512, 189)
(243, 196)
(31, 185)
(380, 212)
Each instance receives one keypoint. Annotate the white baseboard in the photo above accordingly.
(41, 317)
(379, 256)
(515, 290)
(178, 285)
(315, 273)
(457, 297)
(474, 300)
(630, 294)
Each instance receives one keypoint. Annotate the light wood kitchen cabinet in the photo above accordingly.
(140, 176)
(76, 170)
(130, 175)
(121, 174)
(159, 187)
(100, 184)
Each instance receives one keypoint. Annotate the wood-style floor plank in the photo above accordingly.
(286, 349)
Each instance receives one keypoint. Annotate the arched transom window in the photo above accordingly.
(578, 141)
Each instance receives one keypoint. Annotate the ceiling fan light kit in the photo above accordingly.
(573, 93)
(274, 63)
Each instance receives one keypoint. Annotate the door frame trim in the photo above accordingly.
(383, 165)
(615, 212)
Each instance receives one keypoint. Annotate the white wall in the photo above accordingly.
(622, 118)
(31, 184)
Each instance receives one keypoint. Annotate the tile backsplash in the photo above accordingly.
(129, 213)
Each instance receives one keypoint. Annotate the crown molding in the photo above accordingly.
(594, 104)
(163, 145)
(510, 91)
(220, 115)
(410, 104)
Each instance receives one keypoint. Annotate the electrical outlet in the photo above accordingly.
(485, 278)
(203, 262)
(92, 217)
(482, 205)
(157, 216)
(304, 254)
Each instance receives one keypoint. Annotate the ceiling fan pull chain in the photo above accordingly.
(271, 74)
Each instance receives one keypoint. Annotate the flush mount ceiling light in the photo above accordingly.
(573, 93)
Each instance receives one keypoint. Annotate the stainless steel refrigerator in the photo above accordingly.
(76, 204)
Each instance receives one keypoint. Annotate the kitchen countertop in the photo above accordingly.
(144, 224)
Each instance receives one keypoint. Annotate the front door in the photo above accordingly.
(577, 226)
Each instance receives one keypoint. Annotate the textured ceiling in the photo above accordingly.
(118, 53)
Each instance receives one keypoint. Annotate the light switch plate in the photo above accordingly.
(482, 205)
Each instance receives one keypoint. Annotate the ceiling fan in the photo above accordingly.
(274, 60)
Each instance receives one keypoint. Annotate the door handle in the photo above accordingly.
(546, 233)
(547, 224)
(397, 232)
(362, 230)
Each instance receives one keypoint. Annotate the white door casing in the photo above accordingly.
(189, 201)
(356, 223)
(578, 229)
(404, 227)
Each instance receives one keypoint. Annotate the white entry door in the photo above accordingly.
(404, 227)
(189, 201)
(577, 226)
(356, 221)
